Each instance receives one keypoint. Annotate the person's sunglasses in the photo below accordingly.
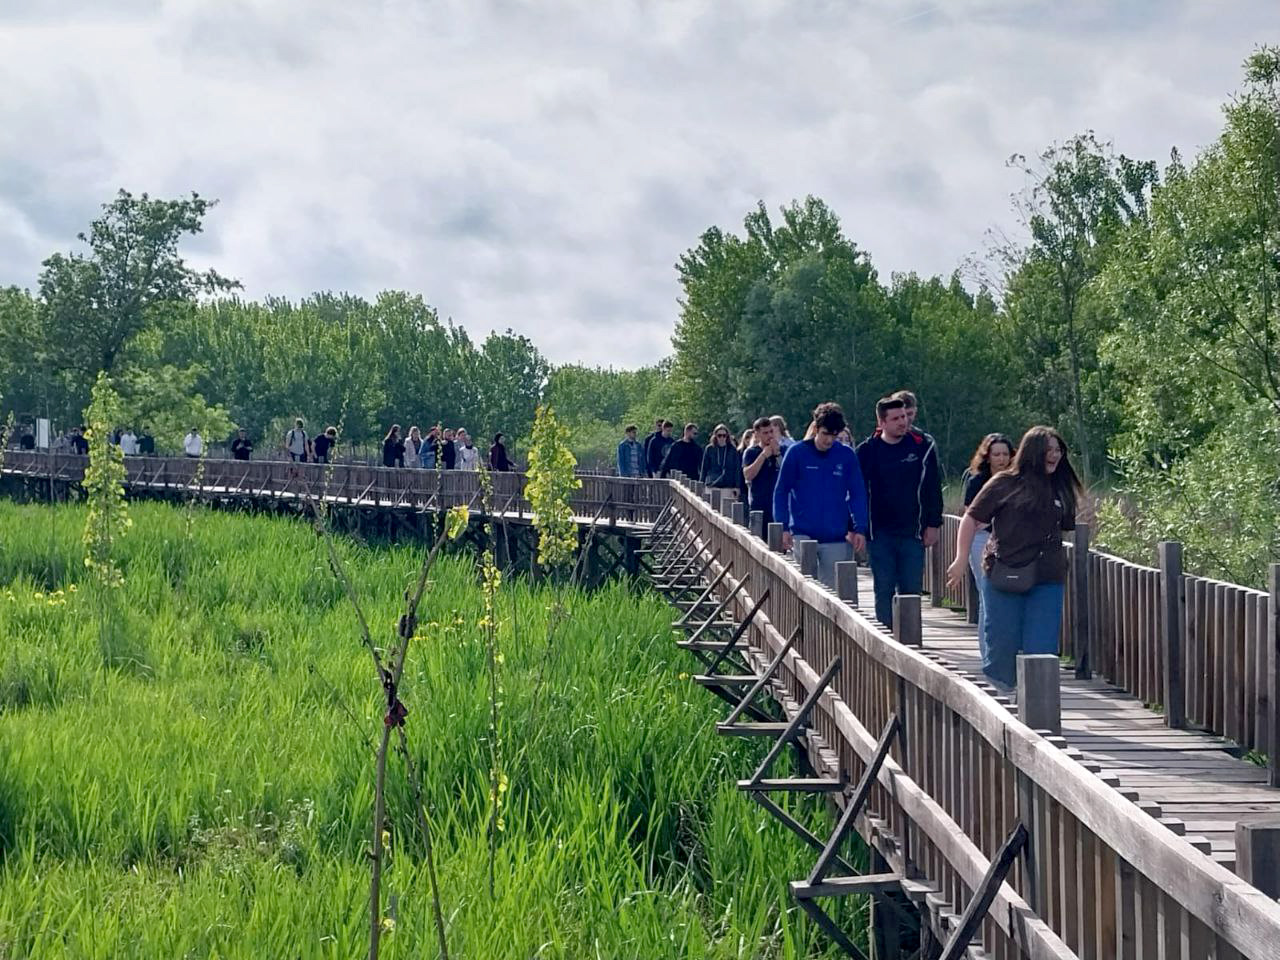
(723, 436)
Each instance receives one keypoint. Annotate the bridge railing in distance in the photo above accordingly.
(1102, 878)
(616, 499)
(1203, 652)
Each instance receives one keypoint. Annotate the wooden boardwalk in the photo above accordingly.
(1195, 783)
(1111, 834)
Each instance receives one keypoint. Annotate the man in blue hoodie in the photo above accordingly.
(820, 494)
(905, 493)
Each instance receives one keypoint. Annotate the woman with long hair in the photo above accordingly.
(1027, 507)
(993, 455)
(748, 439)
(721, 461)
(393, 448)
(413, 447)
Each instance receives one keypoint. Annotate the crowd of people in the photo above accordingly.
(884, 497)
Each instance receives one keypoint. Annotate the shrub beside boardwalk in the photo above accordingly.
(197, 781)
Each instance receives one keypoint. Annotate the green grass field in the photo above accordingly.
(196, 780)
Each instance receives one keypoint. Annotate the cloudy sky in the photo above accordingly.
(541, 164)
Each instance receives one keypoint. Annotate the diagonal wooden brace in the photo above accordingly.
(766, 677)
(800, 720)
(958, 943)
(857, 801)
(738, 633)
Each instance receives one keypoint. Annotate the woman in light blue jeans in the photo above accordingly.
(1027, 507)
(993, 455)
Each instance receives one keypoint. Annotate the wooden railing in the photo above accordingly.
(1203, 652)
(617, 499)
(1103, 879)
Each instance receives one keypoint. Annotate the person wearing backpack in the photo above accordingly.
(295, 442)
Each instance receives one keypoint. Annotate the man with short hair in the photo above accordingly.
(784, 435)
(684, 455)
(656, 450)
(448, 450)
(323, 444)
(241, 446)
(193, 443)
(129, 442)
(146, 443)
(760, 465)
(820, 494)
(904, 489)
(630, 454)
(295, 441)
(910, 404)
(648, 438)
(79, 443)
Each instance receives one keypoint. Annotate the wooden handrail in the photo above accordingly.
(967, 770)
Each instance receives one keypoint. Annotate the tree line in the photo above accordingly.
(1137, 314)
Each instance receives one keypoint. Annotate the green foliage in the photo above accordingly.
(93, 305)
(165, 400)
(1198, 349)
(107, 516)
(595, 404)
(217, 805)
(551, 480)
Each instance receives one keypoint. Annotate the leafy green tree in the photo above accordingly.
(1196, 347)
(94, 304)
(165, 400)
(1082, 196)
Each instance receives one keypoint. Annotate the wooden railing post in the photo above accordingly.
(906, 620)
(775, 537)
(739, 513)
(1039, 691)
(847, 581)
(1172, 620)
(806, 552)
(1258, 855)
(1080, 601)
(757, 523)
(1272, 679)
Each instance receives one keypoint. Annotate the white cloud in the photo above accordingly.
(542, 165)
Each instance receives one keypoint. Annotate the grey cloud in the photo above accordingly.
(541, 165)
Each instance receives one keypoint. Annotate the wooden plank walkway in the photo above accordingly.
(1195, 783)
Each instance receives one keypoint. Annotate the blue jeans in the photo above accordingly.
(829, 554)
(979, 577)
(1019, 623)
(897, 566)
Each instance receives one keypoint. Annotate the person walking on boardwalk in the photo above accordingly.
(1028, 507)
(820, 494)
(760, 465)
(129, 442)
(904, 490)
(393, 448)
(721, 461)
(644, 443)
(429, 455)
(993, 455)
(413, 447)
(468, 455)
(449, 450)
(630, 454)
(324, 445)
(295, 442)
(780, 430)
(193, 443)
(656, 448)
(498, 459)
(684, 455)
(241, 446)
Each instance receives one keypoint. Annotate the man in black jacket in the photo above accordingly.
(655, 448)
(904, 490)
(644, 446)
(684, 455)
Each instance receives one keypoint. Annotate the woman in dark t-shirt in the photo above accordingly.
(393, 448)
(1027, 507)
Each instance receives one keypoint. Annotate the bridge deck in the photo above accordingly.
(1193, 782)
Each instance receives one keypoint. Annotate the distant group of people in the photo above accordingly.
(885, 496)
(441, 448)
